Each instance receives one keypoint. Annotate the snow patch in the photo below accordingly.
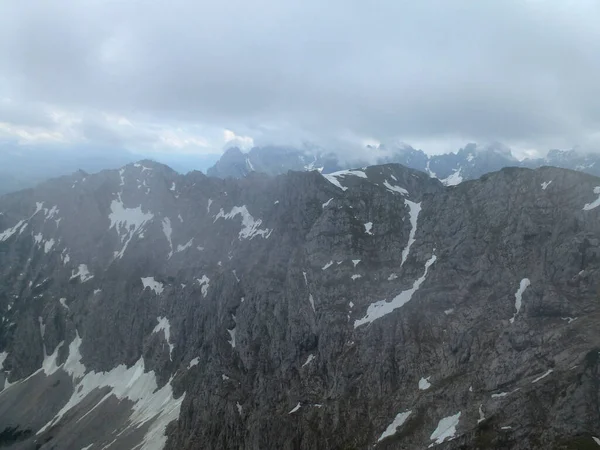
(356, 276)
(595, 203)
(519, 296)
(48, 245)
(19, 227)
(333, 177)
(164, 326)
(355, 262)
(63, 303)
(368, 227)
(324, 205)
(541, 377)
(204, 284)
(424, 384)
(193, 362)
(83, 273)
(250, 225)
(311, 300)
(296, 408)
(481, 414)
(453, 179)
(414, 210)
(127, 222)
(327, 266)
(156, 286)
(449, 311)
(181, 248)
(168, 231)
(596, 440)
(151, 404)
(446, 429)
(394, 189)
(500, 395)
(310, 359)
(545, 184)
(393, 427)
(392, 276)
(382, 307)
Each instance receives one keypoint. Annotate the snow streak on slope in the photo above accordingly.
(20, 227)
(168, 231)
(395, 189)
(250, 225)
(414, 210)
(127, 222)
(392, 427)
(165, 326)
(382, 307)
(519, 295)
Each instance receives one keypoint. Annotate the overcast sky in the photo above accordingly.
(191, 76)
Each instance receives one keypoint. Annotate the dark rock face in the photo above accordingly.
(371, 307)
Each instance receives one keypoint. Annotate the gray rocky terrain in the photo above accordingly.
(373, 308)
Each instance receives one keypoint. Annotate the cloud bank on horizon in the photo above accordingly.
(193, 77)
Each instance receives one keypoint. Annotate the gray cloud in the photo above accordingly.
(522, 72)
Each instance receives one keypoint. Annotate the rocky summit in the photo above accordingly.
(371, 308)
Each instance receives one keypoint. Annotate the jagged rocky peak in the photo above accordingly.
(367, 307)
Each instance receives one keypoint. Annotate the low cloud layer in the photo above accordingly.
(194, 76)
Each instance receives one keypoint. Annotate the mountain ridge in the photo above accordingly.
(300, 311)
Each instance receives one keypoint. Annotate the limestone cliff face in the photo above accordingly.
(374, 307)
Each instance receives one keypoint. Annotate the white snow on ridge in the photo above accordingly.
(414, 210)
(519, 295)
(168, 231)
(541, 377)
(20, 227)
(393, 188)
(156, 286)
(204, 283)
(424, 384)
(545, 184)
(595, 203)
(165, 326)
(393, 427)
(250, 225)
(453, 179)
(333, 177)
(382, 307)
(127, 222)
(83, 273)
(446, 429)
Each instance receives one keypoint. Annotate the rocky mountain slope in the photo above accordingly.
(373, 308)
(469, 163)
